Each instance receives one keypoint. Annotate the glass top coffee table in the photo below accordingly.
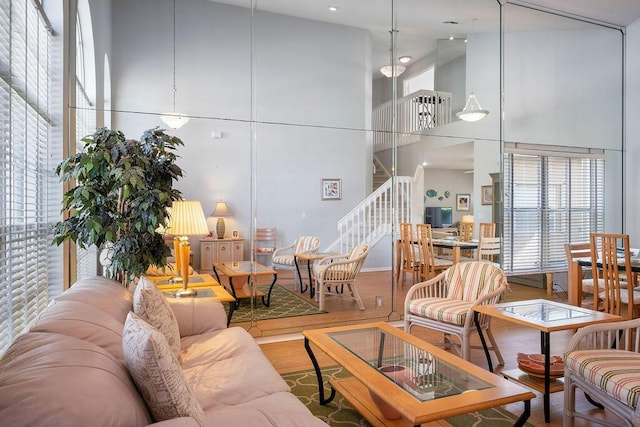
(545, 316)
(396, 375)
(243, 272)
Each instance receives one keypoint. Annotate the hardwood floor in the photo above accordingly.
(283, 345)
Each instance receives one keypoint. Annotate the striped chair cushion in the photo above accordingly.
(307, 243)
(453, 311)
(469, 280)
(283, 260)
(615, 372)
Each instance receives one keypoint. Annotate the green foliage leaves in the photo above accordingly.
(119, 194)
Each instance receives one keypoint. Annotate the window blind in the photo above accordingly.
(550, 199)
(24, 168)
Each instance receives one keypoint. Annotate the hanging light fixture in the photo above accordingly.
(174, 120)
(391, 70)
(472, 111)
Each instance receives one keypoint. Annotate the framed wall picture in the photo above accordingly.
(463, 202)
(235, 234)
(331, 189)
(486, 192)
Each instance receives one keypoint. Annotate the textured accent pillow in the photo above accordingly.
(152, 307)
(157, 372)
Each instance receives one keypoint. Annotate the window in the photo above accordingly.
(86, 259)
(551, 198)
(25, 126)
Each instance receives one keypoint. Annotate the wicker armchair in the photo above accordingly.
(337, 271)
(445, 303)
(283, 259)
(603, 360)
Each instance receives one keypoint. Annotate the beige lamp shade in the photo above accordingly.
(467, 218)
(221, 209)
(187, 218)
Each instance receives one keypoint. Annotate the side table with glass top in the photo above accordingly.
(545, 316)
(309, 258)
(244, 272)
(205, 286)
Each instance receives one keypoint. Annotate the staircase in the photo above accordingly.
(380, 173)
(372, 219)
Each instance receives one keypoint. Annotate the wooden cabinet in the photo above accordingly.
(219, 250)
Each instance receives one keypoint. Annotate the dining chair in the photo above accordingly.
(430, 265)
(611, 271)
(466, 231)
(409, 261)
(579, 250)
(486, 229)
(489, 249)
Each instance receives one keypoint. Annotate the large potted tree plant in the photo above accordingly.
(119, 193)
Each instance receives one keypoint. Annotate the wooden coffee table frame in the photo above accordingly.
(415, 412)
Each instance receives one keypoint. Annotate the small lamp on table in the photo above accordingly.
(187, 218)
(221, 211)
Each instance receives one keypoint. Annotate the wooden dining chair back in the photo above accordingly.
(612, 293)
(430, 265)
(486, 229)
(466, 231)
(489, 249)
(409, 261)
(574, 251)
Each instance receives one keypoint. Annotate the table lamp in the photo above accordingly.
(221, 211)
(187, 218)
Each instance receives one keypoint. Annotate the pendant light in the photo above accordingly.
(472, 111)
(174, 120)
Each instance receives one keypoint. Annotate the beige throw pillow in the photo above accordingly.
(152, 307)
(157, 372)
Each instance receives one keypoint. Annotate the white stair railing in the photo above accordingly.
(416, 112)
(371, 220)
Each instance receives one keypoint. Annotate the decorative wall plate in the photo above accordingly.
(447, 194)
(432, 193)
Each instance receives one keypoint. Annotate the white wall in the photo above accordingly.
(632, 158)
(291, 114)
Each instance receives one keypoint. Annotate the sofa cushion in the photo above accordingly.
(48, 379)
(105, 294)
(152, 307)
(156, 371)
(453, 311)
(83, 321)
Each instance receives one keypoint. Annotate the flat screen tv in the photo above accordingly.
(438, 217)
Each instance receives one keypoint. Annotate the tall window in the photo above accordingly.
(86, 259)
(551, 198)
(25, 126)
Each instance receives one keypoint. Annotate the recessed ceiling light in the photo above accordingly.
(333, 8)
(404, 59)
(450, 37)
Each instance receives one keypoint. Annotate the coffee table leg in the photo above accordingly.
(268, 301)
(323, 401)
(525, 414)
(232, 307)
(476, 320)
(311, 287)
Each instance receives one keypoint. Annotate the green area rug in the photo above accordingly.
(340, 412)
(284, 303)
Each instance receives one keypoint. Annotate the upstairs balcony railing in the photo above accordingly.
(416, 112)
